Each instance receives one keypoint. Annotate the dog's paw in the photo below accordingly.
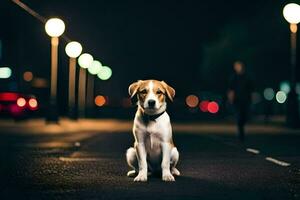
(141, 177)
(131, 173)
(175, 171)
(168, 177)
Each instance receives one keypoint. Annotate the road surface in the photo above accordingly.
(91, 165)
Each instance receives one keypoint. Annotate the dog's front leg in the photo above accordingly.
(142, 161)
(165, 164)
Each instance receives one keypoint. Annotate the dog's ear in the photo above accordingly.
(170, 91)
(133, 88)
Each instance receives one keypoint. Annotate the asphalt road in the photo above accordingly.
(92, 166)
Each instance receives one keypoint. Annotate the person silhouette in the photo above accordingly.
(239, 94)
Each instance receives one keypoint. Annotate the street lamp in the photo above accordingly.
(291, 13)
(54, 28)
(84, 61)
(93, 69)
(105, 73)
(73, 50)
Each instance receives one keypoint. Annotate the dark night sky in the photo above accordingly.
(190, 44)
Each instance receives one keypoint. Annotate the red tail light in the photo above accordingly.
(8, 96)
(21, 102)
(33, 104)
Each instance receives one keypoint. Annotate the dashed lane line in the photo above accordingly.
(255, 151)
(278, 162)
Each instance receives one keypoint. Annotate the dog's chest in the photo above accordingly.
(153, 128)
(155, 134)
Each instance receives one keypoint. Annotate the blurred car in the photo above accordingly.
(17, 105)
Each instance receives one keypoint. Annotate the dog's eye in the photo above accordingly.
(143, 91)
(159, 92)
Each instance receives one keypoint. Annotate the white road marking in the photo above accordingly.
(278, 162)
(68, 159)
(255, 151)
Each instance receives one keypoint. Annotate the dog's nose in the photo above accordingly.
(151, 103)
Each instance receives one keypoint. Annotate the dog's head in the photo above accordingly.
(151, 95)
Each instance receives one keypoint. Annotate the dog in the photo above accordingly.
(154, 150)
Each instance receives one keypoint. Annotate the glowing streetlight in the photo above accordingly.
(95, 67)
(54, 28)
(5, 72)
(105, 73)
(269, 94)
(291, 13)
(73, 50)
(280, 97)
(84, 61)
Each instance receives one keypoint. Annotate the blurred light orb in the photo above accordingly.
(95, 67)
(269, 94)
(213, 107)
(281, 97)
(55, 27)
(33, 103)
(100, 100)
(291, 13)
(85, 60)
(192, 101)
(21, 102)
(204, 106)
(104, 73)
(285, 87)
(5, 72)
(73, 49)
(28, 76)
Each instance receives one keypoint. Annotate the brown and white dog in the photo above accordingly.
(153, 149)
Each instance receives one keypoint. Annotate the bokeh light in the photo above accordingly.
(104, 73)
(73, 49)
(192, 101)
(95, 67)
(204, 106)
(5, 72)
(33, 103)
(28, 76)
(269, 94)
(291, 13)
(281, 97)
(100, 100)
(21, 102)
(213, 107)
(285, 87)
(85, 60)
(55, 27)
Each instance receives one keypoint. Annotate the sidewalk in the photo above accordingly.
(65, 126)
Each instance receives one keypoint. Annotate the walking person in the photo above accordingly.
(239, 94)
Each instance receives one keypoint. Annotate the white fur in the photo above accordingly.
(159, 106)
(153, 148)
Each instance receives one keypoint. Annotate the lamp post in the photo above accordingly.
(84, 61)
(93, 69)
(54, 27)
(291, 13)
(73, 50)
